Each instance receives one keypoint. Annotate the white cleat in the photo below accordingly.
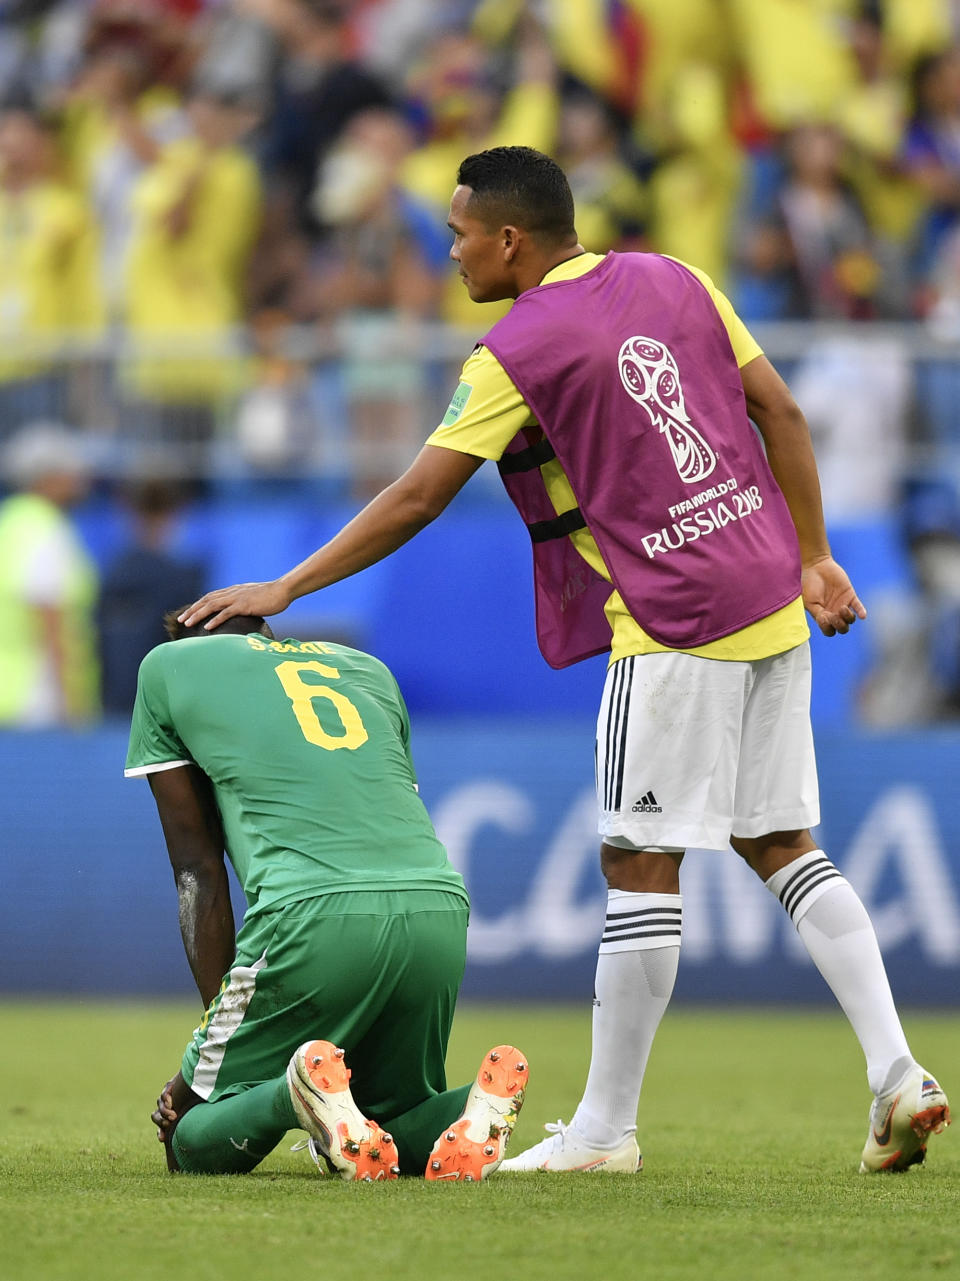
(565, 1150)
(353, 1147)
(901, 1122)
(472, 1148)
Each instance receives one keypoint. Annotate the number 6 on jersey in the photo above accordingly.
(301, 694)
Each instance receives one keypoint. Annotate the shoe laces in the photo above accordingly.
(557, 1131)
(317, 1155)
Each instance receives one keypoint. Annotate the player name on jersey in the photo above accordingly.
(289, 646)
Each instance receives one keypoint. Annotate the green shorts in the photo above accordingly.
(376, 972)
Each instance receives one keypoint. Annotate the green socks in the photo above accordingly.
(416, 1131)
(233, 1135)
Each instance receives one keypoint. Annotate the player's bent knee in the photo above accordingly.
(768, 854)
(646, 871)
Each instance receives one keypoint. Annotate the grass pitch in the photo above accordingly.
(751, 1126)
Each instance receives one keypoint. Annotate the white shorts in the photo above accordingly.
(691, 750)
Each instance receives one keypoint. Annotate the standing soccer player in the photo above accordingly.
(616, 397)
(294, 757)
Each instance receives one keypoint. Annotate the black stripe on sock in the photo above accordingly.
(827, 875)
(801, 873)
(641, 925)
(799, 883)
(641, 911)
(657, 934)
(620, 931)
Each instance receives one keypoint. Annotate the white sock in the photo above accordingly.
(835, 929)
(636, 970)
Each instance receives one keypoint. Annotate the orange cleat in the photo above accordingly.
(472, 1148)
(353, 1147)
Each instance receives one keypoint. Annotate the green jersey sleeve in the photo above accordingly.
(154, 742)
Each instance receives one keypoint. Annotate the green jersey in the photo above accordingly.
(307, 747)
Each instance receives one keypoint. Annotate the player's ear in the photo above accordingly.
(510, 238)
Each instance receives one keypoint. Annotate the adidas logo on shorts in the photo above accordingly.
(647, 805)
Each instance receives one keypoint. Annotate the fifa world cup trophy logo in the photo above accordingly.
(649, 373)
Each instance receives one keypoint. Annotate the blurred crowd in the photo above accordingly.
(806, 153)
(243, 203)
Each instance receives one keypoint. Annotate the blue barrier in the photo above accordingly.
(88, 903)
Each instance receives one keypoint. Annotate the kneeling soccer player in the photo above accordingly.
(293, 757)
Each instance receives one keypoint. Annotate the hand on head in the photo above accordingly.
(249, 599)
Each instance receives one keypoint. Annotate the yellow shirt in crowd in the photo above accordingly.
(189, 283)
(49, 286)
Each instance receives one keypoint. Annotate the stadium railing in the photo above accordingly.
(350, 403)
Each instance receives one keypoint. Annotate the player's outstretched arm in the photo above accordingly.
(386, 523)
(827, 591)
(194, 836)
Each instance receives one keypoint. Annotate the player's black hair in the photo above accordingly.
(522, 187)
(239, 625)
